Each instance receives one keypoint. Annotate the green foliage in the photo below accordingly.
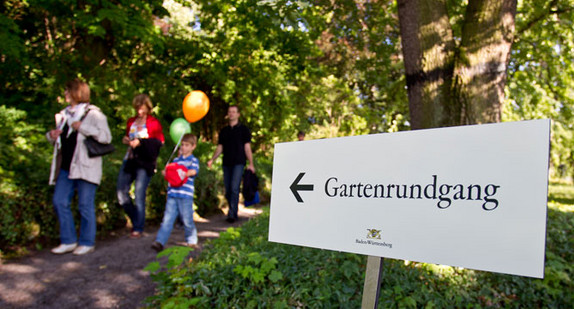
(541, 74)
(259, 268)
(176, 255)
(329, 68)
(208, 184)
(242, 262)
(175, 258)
(359, 42)
(24, 161)
(45, 44)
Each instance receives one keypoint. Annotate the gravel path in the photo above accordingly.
(110, 277)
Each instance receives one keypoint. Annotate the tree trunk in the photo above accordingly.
(450, 86)
(487, 36)
(428, 51)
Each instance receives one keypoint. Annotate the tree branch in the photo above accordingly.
(543, 16)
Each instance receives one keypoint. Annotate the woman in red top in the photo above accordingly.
(144, 136)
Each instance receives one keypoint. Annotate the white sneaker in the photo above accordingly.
(187, 244)
(63, 248)
(81, 250)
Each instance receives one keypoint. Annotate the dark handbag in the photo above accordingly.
(96, 149)
(250, 185)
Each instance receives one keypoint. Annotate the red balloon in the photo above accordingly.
(195, 105)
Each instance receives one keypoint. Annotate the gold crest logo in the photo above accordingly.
(374, 234)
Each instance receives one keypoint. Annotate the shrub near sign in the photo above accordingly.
(472, 196)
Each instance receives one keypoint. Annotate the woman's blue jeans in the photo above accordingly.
(63, 194)
(174, 207)
(136, 212)
(232, 176)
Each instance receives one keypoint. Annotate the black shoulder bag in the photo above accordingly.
(95, 148)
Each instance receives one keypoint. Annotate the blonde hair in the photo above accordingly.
(189, 138)
(142, 99)
(79, 91)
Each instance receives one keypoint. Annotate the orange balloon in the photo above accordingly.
(195, 105)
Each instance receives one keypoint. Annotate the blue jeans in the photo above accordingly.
(175, 207)
(136, 212)
(63, 194)
(232, 176)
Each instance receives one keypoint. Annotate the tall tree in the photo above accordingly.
(49, 42)
(456, 76)
(359, 42)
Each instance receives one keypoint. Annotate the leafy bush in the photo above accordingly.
(241, 269)
(24, 161)
(209, 183)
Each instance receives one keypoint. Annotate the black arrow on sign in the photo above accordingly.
(296, 187)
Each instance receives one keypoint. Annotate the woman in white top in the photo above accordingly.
(72, 169)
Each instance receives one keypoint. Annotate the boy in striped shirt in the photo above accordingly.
(180, 199)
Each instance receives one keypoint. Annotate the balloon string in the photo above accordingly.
(174, 150)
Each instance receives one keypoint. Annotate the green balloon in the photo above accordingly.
(178, 128)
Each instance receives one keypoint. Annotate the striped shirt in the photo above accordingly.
(187, 190)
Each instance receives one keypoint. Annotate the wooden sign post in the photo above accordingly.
(372, 285)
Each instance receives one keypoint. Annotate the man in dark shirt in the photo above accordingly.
(235, 144)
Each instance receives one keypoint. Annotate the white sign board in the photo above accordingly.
(471, 196)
